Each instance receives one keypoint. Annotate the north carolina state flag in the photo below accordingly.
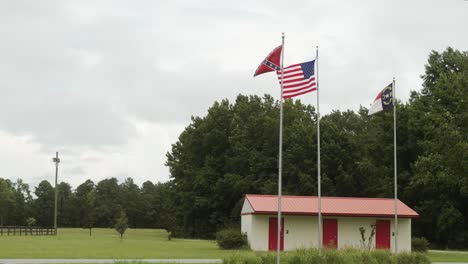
(271, 62)
(383, 100)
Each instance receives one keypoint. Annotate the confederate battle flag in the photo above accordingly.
(271, 62)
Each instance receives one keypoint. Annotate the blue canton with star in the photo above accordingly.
(308, 69)
(387, 96)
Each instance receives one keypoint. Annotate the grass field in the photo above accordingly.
(137, 244)
(448, 256)
(104, 243)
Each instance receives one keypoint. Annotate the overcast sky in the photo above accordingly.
(112, 84)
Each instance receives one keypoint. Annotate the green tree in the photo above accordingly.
(148, 205)
(65, 210)
(22, 201)
(85, 205)
(156, 205)
(121, 224)
(107, 202)
(44, 204)
(130, 200)
(7, 202)
(439, 118)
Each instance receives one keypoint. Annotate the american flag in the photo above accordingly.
(298, 79)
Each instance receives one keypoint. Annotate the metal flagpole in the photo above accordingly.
(280, 158)
(319, 205)
(56, 160)
(395, 166)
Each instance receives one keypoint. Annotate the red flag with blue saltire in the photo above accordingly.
(271, 62)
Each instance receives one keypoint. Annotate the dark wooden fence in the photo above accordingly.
(26, 231)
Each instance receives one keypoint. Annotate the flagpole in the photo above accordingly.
(280, 158)
(319, 205)
(395, 166)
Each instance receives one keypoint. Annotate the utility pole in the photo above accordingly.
(56, 160)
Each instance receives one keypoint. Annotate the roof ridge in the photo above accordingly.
(323, 197)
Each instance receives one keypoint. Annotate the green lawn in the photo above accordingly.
(137, 244)
(104, 243)
(448, 256)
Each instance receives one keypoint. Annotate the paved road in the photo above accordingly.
(43, 261)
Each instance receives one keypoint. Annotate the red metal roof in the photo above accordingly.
(336, 206)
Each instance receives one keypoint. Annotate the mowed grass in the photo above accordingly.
(105, 243)
(448, 256)
(137, 244)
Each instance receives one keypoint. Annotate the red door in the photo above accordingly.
(330, 233)
(273, 234)
(382, 234)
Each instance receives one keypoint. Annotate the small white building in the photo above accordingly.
(342, 219)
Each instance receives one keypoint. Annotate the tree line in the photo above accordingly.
(89, 205)
(233, 150)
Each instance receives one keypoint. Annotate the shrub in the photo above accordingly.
(247, 258)
(302, 256)
(231, 238)
(419, 244)
(31, 221)
(368, 258)
(383, 256)
(404, 258)
(410, 258)
(334, 256)
(269, 258)
(421, 258)
(313, 256)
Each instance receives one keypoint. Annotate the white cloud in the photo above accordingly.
(22, 157)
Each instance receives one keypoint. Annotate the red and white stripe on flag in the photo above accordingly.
(376, 105)
(298, 79)
(383, 100)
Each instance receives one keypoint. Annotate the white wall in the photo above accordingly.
(256, 227)
(349, 235)
(301, 231)
(404, 234)
(246, 207)
(348, 231)
(246, 225)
